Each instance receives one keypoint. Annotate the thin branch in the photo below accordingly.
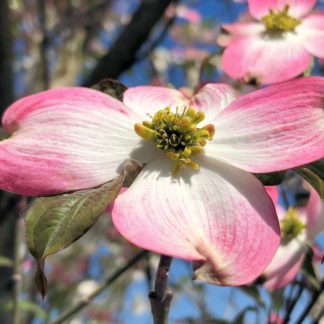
(161, 297)
(77, 19)
(319, 316)
(159, 37)
(148, 272)
(43, 49)
(316, 294)
(16, 276)
(86, 301)
(122, 54)
(293, 301)
(6, 57)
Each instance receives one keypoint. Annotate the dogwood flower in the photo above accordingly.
(195, 198)
(299, 226)
(277, 47)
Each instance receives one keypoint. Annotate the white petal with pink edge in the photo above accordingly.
(311, 34)
(297, 8)
(219, 214)
(245, 28)
(265, 59)
(285, 264)
(212, 99)
(239, 29)
(63, 140)
(147, 100)
(272, 129)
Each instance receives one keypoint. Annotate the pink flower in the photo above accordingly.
(195, 198)
(299, 228)
(277, 47)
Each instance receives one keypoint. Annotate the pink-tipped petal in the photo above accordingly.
(272, 191)
(266, 60)
(285, 264)
(297, 8)
(244, 28)
(218, 215)
(213, 98)
(239, 29)
(314, 214)
(63, 140)
(272, 129)
(147, 100)
(311, 34)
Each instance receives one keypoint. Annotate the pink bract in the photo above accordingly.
(289, 258)
(220, 215)
(253, 53)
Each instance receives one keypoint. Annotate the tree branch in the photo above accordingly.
(316, 294)
(123, 53)
(6, 55)
(43, 49)
(16, 277)
(291, 303)
(161, 297)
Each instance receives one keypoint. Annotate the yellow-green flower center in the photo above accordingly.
(177, 134)
(280, 21)
(291, 226)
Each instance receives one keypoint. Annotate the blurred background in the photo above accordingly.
(46, 44)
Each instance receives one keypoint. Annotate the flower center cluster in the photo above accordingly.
(177, 134)
(291, 226)
(280, 21)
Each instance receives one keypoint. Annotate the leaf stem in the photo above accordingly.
(161, 296)
(85, 301)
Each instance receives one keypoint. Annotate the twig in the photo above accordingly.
(84, 302)
(319, 316)
(163, 33)
(311, 303)
(148, 272)
(161, 297)
(293, 301)
(6, 56)
(122, 54)
(44, 44)
(16, 276)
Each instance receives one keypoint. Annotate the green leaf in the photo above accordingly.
(271, 179)
(5, 262)
(314, 174)
(111, 87)
(53, 223)
(40, 278)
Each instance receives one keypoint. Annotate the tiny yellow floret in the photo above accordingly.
(177, 134)
(280, 21)
(291, 226)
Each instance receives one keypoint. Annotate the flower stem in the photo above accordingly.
(161, 296)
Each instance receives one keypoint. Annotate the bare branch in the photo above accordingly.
(161, 297)
(122, 55)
